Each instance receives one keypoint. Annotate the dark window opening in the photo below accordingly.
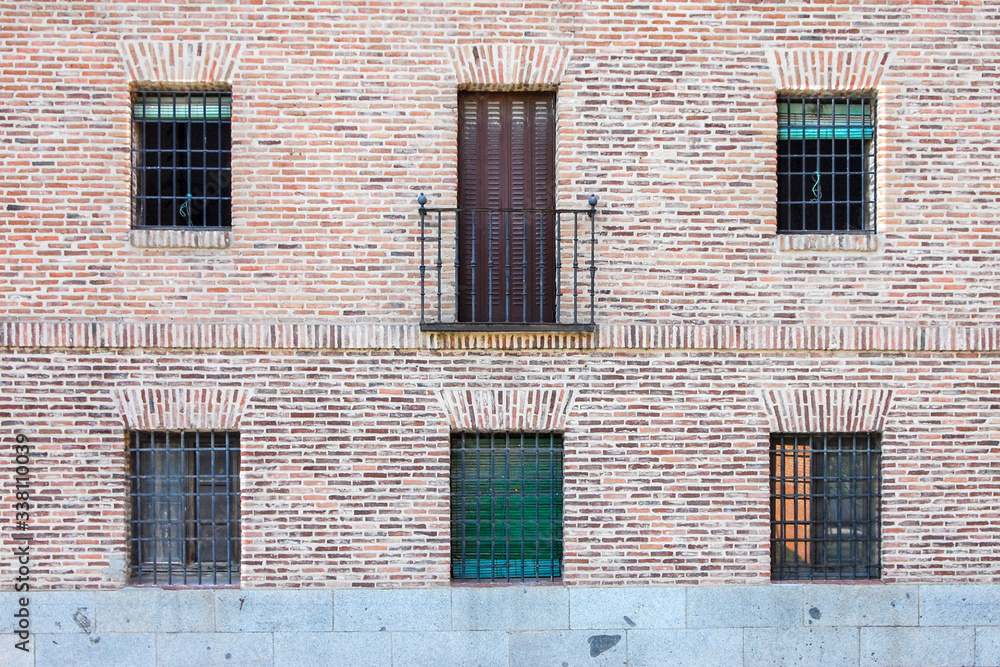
(185, 497)
(506, 506)
(825, 500)
(826, 165)
(182, 148)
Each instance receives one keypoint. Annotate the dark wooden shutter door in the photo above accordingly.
(506, 236)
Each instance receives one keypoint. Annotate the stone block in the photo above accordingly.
(11, 656)
(412, 610)
(626, 608)
(593, 648)
(860, 605)
(705, 647)
(968, 604)
(8, 605)
(155, 610)
(62, 612)
(505, 608)
(988, 647)
(800, 646)
(105, 650)
(332, 649)
(273, 611)
(216, 649)
(744, 606)
(432, 649)
(917, 647)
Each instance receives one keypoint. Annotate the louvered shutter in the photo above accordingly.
(506, 236)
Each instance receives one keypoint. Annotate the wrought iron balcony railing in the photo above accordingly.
(507, 269)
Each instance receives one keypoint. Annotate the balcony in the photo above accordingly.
(507, 269)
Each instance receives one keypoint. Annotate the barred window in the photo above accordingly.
(185, 522)
(506, 506)
(825, 499)
(826, 165)
(181, 159)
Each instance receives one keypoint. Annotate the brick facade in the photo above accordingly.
(300, 325)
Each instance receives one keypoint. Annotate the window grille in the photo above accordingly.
(825, 498)
(185, 497)
(506, 506)
(182, 148)
(826, 165)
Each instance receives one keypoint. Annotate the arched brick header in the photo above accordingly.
(508, 66)
(826, 410)
(170, 61)
(802, 70)
(172, 409)
(512, 410)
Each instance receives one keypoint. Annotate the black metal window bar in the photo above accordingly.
(185, 498)
(534, 269)
(825, 500)
(826, 165)
(182, 149)
(506, 506)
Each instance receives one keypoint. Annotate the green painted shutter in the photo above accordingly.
(506, 506)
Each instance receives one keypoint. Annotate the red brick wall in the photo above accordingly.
(345, 459)
(342, 114)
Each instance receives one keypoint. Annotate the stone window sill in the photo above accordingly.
(180, 238)
(828, 242)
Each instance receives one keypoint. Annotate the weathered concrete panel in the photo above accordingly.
(626, 608)
(960, 605)
(706, 647)
(539, 608)
(332, 649)
(273, 611)
(859, 605)
(744, 606)
(433, 649)
(392, 610)
(917, 647)
(800, 646)
(577, 647)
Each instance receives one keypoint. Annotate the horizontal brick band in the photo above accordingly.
(19, 334)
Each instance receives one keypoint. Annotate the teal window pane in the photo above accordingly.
(506, 506)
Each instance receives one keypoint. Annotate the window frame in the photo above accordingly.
(166, 477)
(837, 135)
(166, 133)
(509, 560)
(816, 549)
